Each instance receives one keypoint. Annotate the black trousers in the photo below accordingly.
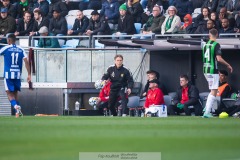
(173, 110)
(113, 98)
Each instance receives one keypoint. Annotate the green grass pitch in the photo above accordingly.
(63, 137)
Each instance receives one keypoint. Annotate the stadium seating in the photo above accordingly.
(87, 12)
(133, 104)
(138, 27)
(72, 43)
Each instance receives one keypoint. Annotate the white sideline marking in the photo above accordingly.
(45, 85)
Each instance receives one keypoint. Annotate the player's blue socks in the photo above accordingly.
(13, 102)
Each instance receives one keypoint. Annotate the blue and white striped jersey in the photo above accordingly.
(13, 59)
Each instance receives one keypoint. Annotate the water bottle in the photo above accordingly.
(77, 105)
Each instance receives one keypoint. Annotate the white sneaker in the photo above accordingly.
(124, 115)
(18, 111)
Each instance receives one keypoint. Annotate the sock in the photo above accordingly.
(13, 103)
(209, 104)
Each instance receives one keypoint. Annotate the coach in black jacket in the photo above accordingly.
(122, 84)
(187, 95)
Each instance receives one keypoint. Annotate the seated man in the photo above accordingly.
(125, 22)
(154, 22)
(58, 24)
(224, 90)
(24, 25)
(154, 95)
(151, 74)
(97, 25)
(187, 95)
(47, 42)
(80, 24)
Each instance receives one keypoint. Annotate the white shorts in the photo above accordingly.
(213, 80)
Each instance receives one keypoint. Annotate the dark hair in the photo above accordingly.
(12, 37)
(26, 13)
(154, 72)
(185, 77)
(118, 55)
(224, 72)
(213, 32)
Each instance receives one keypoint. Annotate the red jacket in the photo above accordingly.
(154, 96)
(104, 93)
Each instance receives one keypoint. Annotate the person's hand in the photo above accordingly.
(118, 33)
(31, 33)
(144, 94)
(180, 105)
(129, 91)
(70, 32)
(89, 32)
(16, 33)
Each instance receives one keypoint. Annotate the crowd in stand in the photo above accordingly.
(26, 17)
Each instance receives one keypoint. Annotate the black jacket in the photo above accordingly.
(36, 26)
(21, 29)
(100, 25)
(59, 5)
(120, 77)
(77, 28)
(126, 25)
(58, 26)
(193, 95)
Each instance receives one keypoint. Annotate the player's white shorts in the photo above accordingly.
(12, 84)
(213, 80)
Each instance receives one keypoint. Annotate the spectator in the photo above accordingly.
(90, 4)
(202, 18)
(125, 22)
(225, 14)
(39, 21)
(80, 25)
(172, 22)
(183, 7)
(187, 95)
(57, 5)
(122, 84)
(237, 24)
(47, 42)
(7, 23)
(43, 5)
(221, 4)
(211, 4)
(226, 29)
(187, 22)
(58, 24)
(152, 3)
(224, 90)
(110, 10)
(11, 8)
(205, 29)
(233, 7)
(97, 25)
(154, 22)
(154, 95)
(22, 6)
(151, 74)
(135, 9)
(24, 25)
(214, 17)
